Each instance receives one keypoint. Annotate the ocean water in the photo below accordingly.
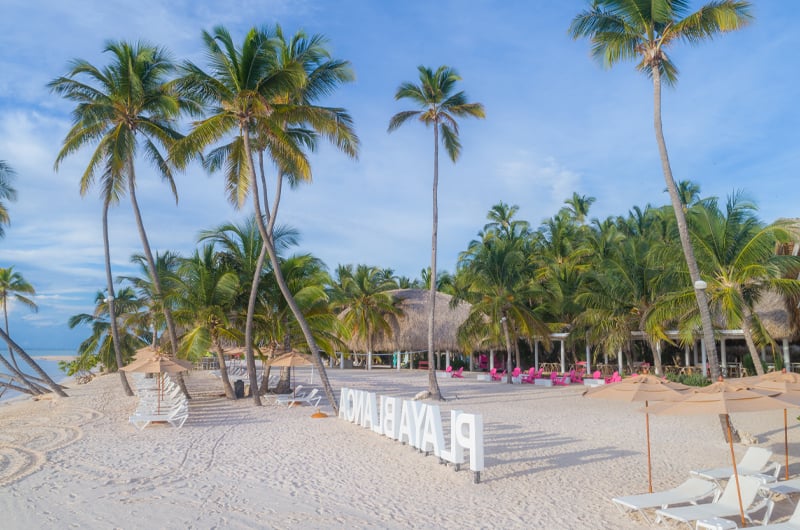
(46, 359)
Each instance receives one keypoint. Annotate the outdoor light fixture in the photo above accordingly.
(700, 285)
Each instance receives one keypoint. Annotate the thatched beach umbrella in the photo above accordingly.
(641, 388)
(721, 398)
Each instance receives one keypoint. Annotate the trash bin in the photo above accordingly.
(238, 388)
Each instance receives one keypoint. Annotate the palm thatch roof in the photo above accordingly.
(410, 331)
(774, 312)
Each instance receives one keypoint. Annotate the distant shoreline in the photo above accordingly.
(54, 357)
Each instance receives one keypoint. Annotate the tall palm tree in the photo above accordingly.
(263, 93)
(7, 193)
(496, 275)
(14, 287)
(737, 253)
(361, 297)
(643, 30)
(207, 291)
(124, 108)
(439, 107)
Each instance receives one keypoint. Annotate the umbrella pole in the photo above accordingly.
(649, 469)
(735, 472)
(786, 441)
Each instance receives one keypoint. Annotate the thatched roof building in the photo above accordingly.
(410, 331)
(774, 312)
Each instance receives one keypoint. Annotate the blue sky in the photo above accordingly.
(557, 122)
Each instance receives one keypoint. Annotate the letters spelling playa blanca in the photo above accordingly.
(417, 424)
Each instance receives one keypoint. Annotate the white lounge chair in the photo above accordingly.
(726, 506)
(175, 416)
(792, 524)
(311, 398)
(754, 462)
(692, 490)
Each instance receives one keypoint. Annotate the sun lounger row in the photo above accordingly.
(298, 397)
(165, 405)
(756, 475)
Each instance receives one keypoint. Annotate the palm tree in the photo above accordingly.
(14, 287)
(644, 30)
(578, 206)
(123, 108)
(737, 253)
(496, 275)
(618, 293)
(263, 92)
(438, 107)
(101, 346)
(362, 299)
(207, 292)
(7, 193)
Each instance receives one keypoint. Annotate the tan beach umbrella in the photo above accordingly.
(160, 365)
(721, 398)
(788, 387)
(147, 352)
(290, 360)
(645, 388)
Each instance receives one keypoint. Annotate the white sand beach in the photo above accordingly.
(554, 459)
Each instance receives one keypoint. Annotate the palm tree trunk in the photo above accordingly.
(112, 315)
(25, 357)
(151, 265)
(433, 384)
(248, 326)
(15, 372)
(747, 329)
(5, 315)
(223, 371)
(683, 231)
(280, 280)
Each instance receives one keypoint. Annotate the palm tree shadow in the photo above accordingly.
(502, 450)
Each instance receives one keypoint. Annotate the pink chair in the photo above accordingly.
(559, 380)
(597, 375)
(615, 378)
(483, 363)
(496, 376)
(458, 373)
(516, 372)
(575, 377)
(530, 376)
(449, 371)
